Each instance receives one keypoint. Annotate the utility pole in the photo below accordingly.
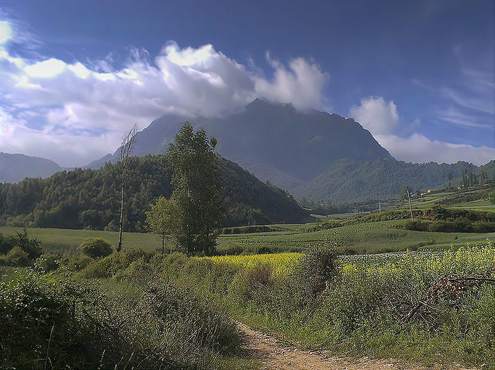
(410, 206)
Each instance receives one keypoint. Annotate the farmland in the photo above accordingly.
(334, 285)
(359, 238)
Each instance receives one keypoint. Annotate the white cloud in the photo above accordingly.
(376, 115)
(381, 118)
(301, 84)
(5, 32)
(53, 105)
(17, 137)
(418, 148)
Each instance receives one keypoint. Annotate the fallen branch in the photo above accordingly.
(453, 285)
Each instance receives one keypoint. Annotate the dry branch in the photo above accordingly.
(447, 285)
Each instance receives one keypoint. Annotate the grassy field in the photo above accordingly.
(362, 308)
(352, 238)
(371, 237)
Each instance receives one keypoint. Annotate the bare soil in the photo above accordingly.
(274, 355)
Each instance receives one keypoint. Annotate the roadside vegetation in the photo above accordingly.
(175, 311)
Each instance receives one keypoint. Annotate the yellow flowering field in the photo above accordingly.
(281, 263)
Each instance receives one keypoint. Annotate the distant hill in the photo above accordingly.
(347, 181)
(312, 154)
(15, 167)
(90, 198)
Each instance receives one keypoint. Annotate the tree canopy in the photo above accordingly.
(197, 190)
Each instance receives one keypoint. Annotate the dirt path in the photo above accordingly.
(275, 356)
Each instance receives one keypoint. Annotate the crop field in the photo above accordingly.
(369, 237)
(478, 256)
(281, 263)
(432, 199)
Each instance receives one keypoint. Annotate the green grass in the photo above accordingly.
(362, 313)
(68, 240)
(371, 237)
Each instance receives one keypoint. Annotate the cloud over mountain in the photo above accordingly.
(50, 101)
(381, 118)
(76, 111)
(376, 115)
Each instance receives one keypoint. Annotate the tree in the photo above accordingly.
(196, 190)
(124, 154)
(406, 195)
(491, 197)
(162, 218)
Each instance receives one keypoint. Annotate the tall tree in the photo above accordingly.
(196, 190)
(124, 154)
(162, 218)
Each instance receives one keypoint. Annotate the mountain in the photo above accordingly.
(15, 167)
(311, 154)
(350, 181)
(90, 198)
(275, 142)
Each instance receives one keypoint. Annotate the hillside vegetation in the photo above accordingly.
(90, 198)
(313, 155)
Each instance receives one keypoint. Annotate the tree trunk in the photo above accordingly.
(163, 243)
(121, 222)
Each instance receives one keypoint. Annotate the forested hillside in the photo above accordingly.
(90, 198)
(348, 181)
(313, 155)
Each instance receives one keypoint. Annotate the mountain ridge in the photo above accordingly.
(15, 167)
(303, 152)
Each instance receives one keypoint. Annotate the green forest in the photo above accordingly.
(89, 199)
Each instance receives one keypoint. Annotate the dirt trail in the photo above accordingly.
(276, 356)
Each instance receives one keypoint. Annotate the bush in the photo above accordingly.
(6, 244)
(417, 225)
(191, 320)
(47, 263)
(76, 263)
(17, 257)
(109, 266)
(457, 226)
(314, 272)
(161, 327)
(84, 328)
(30, 246)
(96, 248)
(253, 284)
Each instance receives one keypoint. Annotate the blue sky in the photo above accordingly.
(75, 75)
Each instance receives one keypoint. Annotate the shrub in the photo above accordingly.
(6, 244)
(17, 257)
(253, 284)
(109, 266)
(76, 263)
(84, 328)
(30, 246)
(162, 327)
(416, 225)
(96, 248)
(191, 320)
(47, 263)
(315, 270)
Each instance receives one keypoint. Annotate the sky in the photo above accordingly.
(75, 76)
